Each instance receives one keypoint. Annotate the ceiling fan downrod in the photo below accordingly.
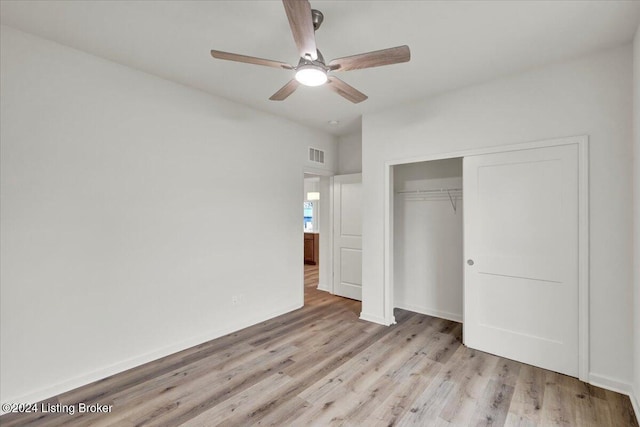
(316, 17)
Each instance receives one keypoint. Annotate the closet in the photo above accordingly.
(428, 238)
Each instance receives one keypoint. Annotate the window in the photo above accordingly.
(308, 216)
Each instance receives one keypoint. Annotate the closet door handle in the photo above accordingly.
(470, 261)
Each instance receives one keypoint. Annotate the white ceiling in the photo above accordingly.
(453, 44)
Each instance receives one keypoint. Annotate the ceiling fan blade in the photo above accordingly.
(249, 59)
(345, 90)
(377, 58)
(301, 23)
(285, 91)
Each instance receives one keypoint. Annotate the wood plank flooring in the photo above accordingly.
(322, 366)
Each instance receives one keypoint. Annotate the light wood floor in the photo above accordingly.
(322, 366)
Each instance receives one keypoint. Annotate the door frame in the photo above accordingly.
(582, 142)
(325, 271)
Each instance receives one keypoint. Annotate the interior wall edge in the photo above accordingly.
(635, 395)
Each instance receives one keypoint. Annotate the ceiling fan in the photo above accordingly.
(312, 69)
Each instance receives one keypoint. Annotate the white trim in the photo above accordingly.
(583, 257)
(582, 142)
(375, 319)
(455, 317)
(349, 175)
(609, 383)
(64, 386)
(490, 150)
(325, 271)
(317, 171)
(388, 299)
(330, 280)
(633, 396)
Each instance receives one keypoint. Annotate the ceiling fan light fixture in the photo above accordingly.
(312, 70)
(311, 75)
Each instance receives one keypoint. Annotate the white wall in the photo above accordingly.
(428, 250)
(350, 153)
(636, 217)
(132, 210)
(590, 95)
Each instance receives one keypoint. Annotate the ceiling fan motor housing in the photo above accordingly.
(318, 62)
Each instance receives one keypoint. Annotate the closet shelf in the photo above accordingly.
(450, 194)
(430, 191)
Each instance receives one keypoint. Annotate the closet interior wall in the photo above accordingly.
(428, 238)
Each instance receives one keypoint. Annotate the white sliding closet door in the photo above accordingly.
(521, 253)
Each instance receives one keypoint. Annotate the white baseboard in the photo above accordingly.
(48, 392)
(619, 387)
(609, 383)
(375, 319)
(323, 287)
(431, 312)
(635, 402)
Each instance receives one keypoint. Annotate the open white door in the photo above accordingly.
(347, 236)
(521, 256)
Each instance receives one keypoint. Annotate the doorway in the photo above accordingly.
(428, 244)
(311, 219)
(316, 227)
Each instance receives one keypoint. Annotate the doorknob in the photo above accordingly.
(470, 261)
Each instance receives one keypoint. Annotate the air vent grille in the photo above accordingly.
(316, 156)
